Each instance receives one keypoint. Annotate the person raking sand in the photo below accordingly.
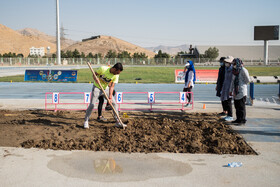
(107, 78)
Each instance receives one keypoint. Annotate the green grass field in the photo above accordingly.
(151, 74)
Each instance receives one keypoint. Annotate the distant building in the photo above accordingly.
(37, 51)
(91, 38)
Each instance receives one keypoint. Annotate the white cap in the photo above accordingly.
(229, 59)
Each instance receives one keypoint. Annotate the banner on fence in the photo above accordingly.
(51, 75)
(202, 75)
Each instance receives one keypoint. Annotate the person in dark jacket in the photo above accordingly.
(220, 81)
(225, 96)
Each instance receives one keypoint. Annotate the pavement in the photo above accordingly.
(37, 167)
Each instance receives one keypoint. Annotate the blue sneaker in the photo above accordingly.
(228, 118)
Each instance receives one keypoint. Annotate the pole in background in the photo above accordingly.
(265, 52)
(57, 34)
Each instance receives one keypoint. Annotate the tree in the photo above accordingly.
(76, 54)
(111, 54)
(83, 55)
(162, 55)
(140, 55)
(90, 55)
(9, 54)
(33, 56)
(69, 54)
(124, 54)
(98, 55)
(63, 54)
(211, 53)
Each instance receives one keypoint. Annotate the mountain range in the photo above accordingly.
(173, 50)
(21, 41)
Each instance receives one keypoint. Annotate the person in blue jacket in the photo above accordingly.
(190, 79)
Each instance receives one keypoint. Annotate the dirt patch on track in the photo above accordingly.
(146, 132)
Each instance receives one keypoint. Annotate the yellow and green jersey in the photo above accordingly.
(105, 77)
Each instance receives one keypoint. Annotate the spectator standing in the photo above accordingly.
(220, 82)
(239, 90)
(189, 79)
(225, 91)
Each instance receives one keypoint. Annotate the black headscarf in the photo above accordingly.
(239, 64)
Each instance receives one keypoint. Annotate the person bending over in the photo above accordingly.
(108, 77)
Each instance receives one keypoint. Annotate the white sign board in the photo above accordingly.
(183, 97)
(151, 97)
(119, 97)
(55, 97)
(87, 97)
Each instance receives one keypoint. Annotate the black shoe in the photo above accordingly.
(101, 119)
(222, 114)
(236, 121)
(108, 107)
(239, 124)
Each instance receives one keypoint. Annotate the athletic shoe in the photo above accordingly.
(224, 117)
(228, 118)
(101, 119)
(187, 105)
(222, 114)
(86, 126)
(108, 107)
(120, 125)
(237, 122)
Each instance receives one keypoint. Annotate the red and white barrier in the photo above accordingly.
(152, 101)
(55, 101)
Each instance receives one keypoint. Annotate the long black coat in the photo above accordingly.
(220, 80)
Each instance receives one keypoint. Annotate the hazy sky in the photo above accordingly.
(148, 22)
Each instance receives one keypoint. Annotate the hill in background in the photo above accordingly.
(105, 43)
(43, 36)
(22, 40)
(12, 41)
(173, 50)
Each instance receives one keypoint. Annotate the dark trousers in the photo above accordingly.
(224, 106)
(100, 105)
(240, 109)
(227, 106)
(189, 95)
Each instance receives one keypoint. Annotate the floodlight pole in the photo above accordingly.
(265, 52)
(57, 34)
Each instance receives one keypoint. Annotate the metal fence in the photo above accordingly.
(126, 61)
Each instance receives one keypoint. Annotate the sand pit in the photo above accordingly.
(175, 132)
